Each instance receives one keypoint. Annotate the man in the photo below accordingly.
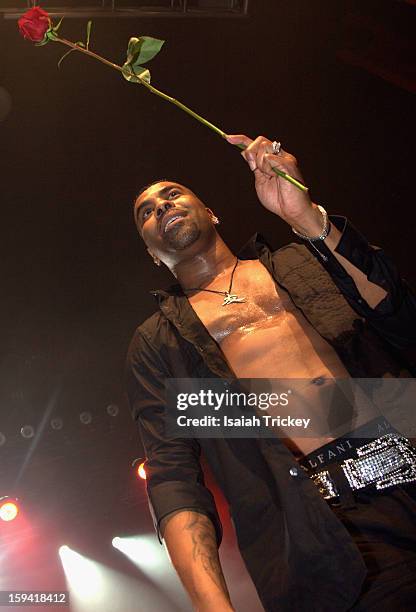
(333, 310)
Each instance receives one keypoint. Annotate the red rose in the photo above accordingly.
(34, 24)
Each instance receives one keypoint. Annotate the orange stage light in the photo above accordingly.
(141, 472)
(9, 509)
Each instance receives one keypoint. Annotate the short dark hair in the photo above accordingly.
(146, 187)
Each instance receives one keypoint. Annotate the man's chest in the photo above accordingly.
(266, 336)
(262, 304)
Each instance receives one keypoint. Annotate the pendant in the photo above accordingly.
(231, 298)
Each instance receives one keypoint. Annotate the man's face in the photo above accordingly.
(171, 219)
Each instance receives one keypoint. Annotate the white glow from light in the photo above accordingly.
(152, 560)
(8, 510)
(143, 552)
(141, 471)
(93, 587)
(84, 576)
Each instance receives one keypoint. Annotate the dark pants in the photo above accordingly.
(383, 526)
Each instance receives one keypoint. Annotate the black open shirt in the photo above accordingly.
(297, 552)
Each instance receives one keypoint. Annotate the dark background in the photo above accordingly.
(334, 81)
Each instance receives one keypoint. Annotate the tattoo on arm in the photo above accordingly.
(204, 547)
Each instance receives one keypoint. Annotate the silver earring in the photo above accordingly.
(215, 220)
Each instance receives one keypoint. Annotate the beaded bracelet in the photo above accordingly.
(325, 229)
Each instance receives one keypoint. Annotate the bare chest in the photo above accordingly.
(266, 335)
(262, 304)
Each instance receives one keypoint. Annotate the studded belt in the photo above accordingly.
(386, 461)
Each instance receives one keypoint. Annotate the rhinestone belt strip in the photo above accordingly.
(384, 462)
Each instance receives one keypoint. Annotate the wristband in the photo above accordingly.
(325, 228)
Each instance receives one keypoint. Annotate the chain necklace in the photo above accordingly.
(230, 298)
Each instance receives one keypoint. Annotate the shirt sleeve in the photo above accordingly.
(395, 316)
(174, 478)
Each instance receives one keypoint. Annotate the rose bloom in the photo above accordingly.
(34, 24)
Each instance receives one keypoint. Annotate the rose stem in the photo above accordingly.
(161, 94)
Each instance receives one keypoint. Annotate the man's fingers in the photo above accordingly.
(282, 160)
(288, 157)
(251, 161)
(250, 154)
(258, 155)
(246, 142)
(237, 139)
(286, 163)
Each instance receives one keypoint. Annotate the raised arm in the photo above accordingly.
(295, 206)
(365, 275)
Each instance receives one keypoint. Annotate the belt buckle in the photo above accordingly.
(326, 486)
(392, 455)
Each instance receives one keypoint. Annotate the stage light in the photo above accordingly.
(143, 551)
(57, 423)
(139, 468)
(85, 418)
(27, 431)
(94, 587)
(84, 576)
(112, 410)
(9, 508)
(141, 472)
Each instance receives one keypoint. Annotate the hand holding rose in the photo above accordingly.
(275, 193)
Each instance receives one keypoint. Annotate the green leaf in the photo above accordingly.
(42, 42)
(89, 26)
(149, 49)
(58, 25)
(50, 34)
(141, 50)
(64, 56)
(79, 44)
(133, 49)
(135, 74)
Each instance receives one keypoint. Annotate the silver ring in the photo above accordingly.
(276, 146)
